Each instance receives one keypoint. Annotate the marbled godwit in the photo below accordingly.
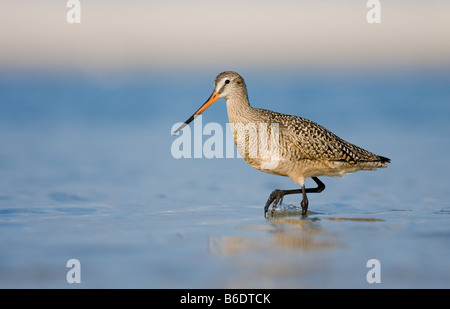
(305, 149)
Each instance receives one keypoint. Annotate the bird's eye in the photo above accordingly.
(227, 81)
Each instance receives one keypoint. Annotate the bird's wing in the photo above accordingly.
(306, 139)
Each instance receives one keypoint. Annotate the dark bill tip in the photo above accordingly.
(184, 124)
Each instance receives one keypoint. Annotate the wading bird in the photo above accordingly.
(303, 148)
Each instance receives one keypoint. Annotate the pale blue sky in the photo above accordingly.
(146, 35)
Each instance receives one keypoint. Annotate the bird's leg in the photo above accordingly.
(304, 203)
(320, 186)
(276, 197)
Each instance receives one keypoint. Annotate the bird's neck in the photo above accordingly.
(239, 109)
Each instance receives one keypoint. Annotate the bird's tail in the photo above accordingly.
(384, 159)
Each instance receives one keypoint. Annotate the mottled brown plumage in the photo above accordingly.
(286, 145)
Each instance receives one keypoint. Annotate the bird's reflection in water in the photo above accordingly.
(300, 251)
(282, 233)
(288, 248)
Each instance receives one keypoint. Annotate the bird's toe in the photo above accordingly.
(275, 198)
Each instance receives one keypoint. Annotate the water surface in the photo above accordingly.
(86, 173)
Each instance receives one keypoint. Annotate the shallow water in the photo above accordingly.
(86, 173)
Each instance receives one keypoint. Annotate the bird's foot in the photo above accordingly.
(276, 197)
